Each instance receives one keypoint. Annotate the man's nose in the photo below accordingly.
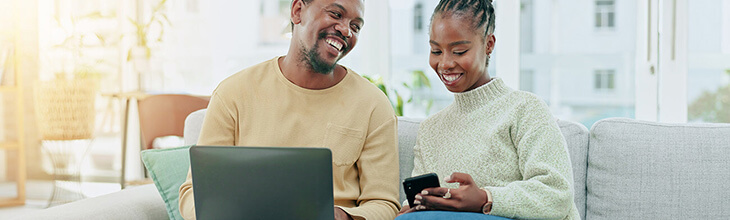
(343, 29)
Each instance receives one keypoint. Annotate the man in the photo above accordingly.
(306, 99)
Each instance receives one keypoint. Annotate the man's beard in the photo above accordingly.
(314, 60)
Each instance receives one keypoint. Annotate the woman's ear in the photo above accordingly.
(296, 11)
(491, 40)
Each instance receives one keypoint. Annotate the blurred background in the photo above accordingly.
(656, 60)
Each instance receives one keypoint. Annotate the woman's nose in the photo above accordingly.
(446, 63)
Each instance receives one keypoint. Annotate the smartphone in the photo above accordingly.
(416, 184)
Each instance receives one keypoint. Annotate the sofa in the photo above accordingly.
(622, 168)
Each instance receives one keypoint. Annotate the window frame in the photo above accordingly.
(605, 15)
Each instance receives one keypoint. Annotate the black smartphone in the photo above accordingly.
(416, 184)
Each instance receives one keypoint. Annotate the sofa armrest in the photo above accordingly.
(141, 202)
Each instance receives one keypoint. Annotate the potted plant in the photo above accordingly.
(148, 34)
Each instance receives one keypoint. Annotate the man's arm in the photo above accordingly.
(219, 126)
(378, 166)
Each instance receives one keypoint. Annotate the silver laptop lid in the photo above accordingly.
(262, 182)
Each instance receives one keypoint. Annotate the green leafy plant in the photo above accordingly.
(712, 106)
(397, 100)
(78, 41)
(150, 31)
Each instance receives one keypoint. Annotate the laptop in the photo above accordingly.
(262, 182)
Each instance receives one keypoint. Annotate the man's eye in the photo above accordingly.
(436, 52)
(356, 28)
(335, 14)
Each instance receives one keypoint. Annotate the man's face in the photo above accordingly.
(328, 31)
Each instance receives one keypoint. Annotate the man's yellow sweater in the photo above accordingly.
(260, 107)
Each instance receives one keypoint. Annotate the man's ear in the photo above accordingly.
(491, 41)
(296, 11)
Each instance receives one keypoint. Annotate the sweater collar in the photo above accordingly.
(482, 95)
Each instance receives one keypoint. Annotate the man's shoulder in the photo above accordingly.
(361, 84)
(363, 92)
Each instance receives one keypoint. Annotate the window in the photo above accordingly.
(418, 18)
(605, 14)
(574, 71)
(274, 26)
(191, 6)
(604, 80)
(708, 62)
(526, 26)
(527, 82)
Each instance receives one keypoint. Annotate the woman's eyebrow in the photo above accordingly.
(452, 43)
(459, 43)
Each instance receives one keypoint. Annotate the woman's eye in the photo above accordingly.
(436, 52)
(460, 52)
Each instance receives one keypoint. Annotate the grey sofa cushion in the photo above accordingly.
(141, 202)
(193, 124)
(407, 133)
(576, 136)
(647, 170)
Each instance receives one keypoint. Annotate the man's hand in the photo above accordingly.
(467, 198)
(341, 214)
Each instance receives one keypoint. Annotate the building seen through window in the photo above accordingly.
(605, 13)
(418, 17)
(604, 80)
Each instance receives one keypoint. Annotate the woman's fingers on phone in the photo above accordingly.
(434, 200)
(433, 191)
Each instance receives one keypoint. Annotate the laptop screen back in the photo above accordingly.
(262, 182)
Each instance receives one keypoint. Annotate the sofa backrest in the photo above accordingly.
(576, 136)
(193, 124)
(648, 170)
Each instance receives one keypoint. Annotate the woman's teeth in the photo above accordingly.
(335, 44)
(451, 78)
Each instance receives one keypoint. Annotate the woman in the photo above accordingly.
(500, 150)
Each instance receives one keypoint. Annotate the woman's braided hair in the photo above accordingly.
(481, 11)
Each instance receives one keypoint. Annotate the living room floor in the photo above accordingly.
(39, 192)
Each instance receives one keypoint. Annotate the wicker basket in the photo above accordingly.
(65, 108)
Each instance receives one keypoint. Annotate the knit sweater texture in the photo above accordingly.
(510, 144)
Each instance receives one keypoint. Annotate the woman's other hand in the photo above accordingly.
(341, 214)
(467, 198)
(406, 209)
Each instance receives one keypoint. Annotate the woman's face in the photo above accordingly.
(459, 53)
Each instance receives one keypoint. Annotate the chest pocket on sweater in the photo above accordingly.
(345, 143)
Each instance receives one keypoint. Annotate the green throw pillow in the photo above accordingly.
(168, 169)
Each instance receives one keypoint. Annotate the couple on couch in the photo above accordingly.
(500, 149)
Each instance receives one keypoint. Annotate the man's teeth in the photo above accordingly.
(335, 44)
(451, 78)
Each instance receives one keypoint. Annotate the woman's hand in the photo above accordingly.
(467, 198)
(406, 209)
